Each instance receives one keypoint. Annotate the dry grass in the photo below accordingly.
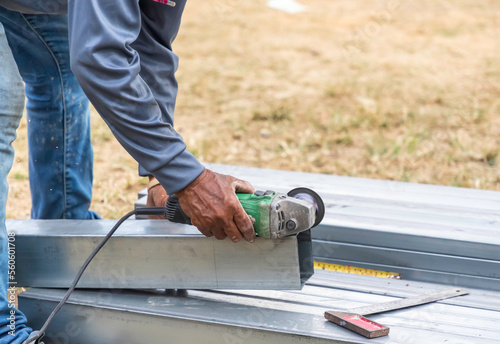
(400, 90)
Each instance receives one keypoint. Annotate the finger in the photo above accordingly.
(153, 201)
(150, 202)
(232, 232)
(219, 233)
(162, 202)
(206, 232)
(242, 186)
(203, 229)
(244, 224)
(159, 200)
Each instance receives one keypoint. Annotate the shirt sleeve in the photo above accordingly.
(104, 37)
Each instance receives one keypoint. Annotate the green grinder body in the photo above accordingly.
(258, 207)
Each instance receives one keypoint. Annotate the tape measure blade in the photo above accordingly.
(355, 270)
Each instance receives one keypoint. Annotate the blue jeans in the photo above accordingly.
(11, 109)
(60, 150)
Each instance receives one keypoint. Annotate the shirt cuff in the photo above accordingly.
(178, 173)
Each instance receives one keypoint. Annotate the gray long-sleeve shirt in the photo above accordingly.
(121, 54)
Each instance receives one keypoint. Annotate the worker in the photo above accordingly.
(121, 53)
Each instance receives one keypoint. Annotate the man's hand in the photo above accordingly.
(211, 203)
(157, 197)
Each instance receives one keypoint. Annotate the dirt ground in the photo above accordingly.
(395, 89)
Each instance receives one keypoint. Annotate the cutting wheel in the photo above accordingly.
(310, 196)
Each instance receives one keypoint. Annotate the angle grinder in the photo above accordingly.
(274, 215)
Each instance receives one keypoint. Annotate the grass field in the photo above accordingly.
(399, 90)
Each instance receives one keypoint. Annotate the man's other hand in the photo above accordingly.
(157, 197)
(211, 203)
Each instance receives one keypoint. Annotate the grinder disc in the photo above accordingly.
(310, 196)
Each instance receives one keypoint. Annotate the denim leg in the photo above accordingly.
(60, 150)
(11, 110)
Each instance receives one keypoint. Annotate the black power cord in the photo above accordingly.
(140, 211)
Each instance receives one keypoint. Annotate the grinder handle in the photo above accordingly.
(174, 212)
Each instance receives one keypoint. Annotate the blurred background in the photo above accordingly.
(391, 89)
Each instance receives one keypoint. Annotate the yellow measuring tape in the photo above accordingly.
(355, 270)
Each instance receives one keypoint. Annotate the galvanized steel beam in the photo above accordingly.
(154, 254)
(413, 265)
